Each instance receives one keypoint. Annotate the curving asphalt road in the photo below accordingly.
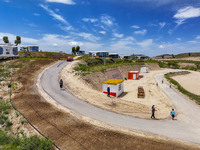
(186, 128)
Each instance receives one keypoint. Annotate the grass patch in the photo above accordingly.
(97, 65)
(192, 96)
(11, 142)
(4, 73)
(4, 106)
(34, 58)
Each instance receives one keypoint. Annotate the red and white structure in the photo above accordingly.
(116, 87)
(133, 75)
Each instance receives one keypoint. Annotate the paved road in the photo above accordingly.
(186, 128)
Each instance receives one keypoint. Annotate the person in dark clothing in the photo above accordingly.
(108, 90)
(153, 109)
(61, 83)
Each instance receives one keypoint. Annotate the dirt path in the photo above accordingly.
(182, 130)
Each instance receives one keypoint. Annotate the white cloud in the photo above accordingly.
(161, 46)
(87, 36)
(102, 32)
(179, 39)
(55, 44)
(92, 20)
(162, 24)
(57, 10)
(198, 37)
(32, 25)
(153, 3)
(54, 15)
(36, 14)
(186, 13)
(142, 32)
(67, 28)
(170, 32)
(118, 35)
(68, 2)
(135, 26)
(107, 20)
(146, 43)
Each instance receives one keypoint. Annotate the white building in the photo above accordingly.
(101, 54)
(31, 48)
(116, 87)
(8, 51)
(144, 69)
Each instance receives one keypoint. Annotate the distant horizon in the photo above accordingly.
(149, 27)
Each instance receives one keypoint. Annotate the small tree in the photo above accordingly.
(18, 40)
(77, 49)
(189, 54)
(73, 50)
(5, 39)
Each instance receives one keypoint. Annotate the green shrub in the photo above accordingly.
(36, 143)
(9, 142)
(4, 105)
(8, 123)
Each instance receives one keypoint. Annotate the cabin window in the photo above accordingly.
(1, 50)
(15, 51)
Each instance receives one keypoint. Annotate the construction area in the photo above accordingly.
(70, 131)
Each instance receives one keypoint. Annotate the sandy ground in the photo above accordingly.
(190, 82)
(127, 103)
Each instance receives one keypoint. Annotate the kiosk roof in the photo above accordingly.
(113, 81)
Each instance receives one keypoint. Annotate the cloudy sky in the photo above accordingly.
(149, 27)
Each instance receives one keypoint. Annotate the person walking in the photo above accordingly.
(61, 83)
(153, 109)
(108, 90)
(172, 114)
(170, 85)
(162, 81)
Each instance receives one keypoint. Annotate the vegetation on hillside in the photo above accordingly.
(9, 139)
(96, 65)
(187, 55)
(13, 142)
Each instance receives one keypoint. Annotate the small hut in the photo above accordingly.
(144, 69)
(116, 86)
(133, 75)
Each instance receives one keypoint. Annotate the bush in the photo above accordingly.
(9, 142)
(36, 143)
(4, 106)
(8, 123)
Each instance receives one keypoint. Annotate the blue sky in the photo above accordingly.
(150, 27)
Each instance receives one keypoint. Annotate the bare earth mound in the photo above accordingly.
(190, 82)
(88, 88)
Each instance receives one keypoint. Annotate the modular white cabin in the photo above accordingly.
(144, 69)
(8, 51)
(101, 54)
(116, 87)
(31, 48)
